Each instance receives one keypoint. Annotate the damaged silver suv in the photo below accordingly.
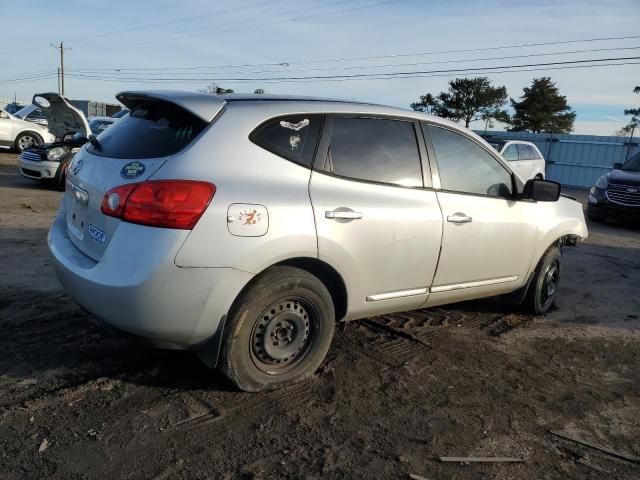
(244, 227)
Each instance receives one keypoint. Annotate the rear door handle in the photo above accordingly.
(459, 217)
(349, 215)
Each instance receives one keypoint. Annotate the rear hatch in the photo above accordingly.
(131, 151)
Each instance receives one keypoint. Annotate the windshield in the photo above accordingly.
(633, 164)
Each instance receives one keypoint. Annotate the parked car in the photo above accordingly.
(243, 227)
(49, 162)
(18, 134)
(524, 157)
(617, 194)
(13, 107)
(32, 113)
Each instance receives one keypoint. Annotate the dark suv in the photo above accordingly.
(617, 194)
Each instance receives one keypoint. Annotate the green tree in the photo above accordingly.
(214, 88)
(542, 109)
(467, 99)
(634, 123)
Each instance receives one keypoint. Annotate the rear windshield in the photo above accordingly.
(153, 129)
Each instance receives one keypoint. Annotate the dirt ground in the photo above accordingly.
(395, 393)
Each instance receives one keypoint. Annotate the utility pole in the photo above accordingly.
(61, 76)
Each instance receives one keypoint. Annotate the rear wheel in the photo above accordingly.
(543, 290)
(279, 332)
(26, 140)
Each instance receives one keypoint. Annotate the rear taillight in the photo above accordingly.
(159, 203)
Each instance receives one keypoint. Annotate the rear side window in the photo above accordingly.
(377, 150)
(291, 137)
(152, 129)
(535, 154)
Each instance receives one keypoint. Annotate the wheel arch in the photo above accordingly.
(209, 352)
(22, 132)
(328, 275)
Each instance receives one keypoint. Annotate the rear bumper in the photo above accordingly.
(38, 170)
(137, 288)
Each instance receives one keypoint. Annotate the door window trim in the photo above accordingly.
(325, 140)
(425, 124)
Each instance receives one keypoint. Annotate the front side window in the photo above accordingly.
(377, 150)
(466, 167)
(524, 152)
(293, 137)
(511, 153)
(153, 129)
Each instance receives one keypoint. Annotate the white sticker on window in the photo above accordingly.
(295, 126)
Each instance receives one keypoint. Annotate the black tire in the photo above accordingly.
(543, 291)
(59, 181)
(19, 144)
(278, 331)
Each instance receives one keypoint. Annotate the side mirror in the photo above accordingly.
(541, 190)
(617, 165)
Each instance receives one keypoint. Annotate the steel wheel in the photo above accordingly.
(26, 141)
(279, 330)
(283, 335)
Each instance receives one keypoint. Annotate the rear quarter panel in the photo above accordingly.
(245, 173)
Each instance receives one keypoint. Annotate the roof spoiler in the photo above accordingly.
(205, 107)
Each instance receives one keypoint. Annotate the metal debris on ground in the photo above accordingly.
(624, 456)
(481, 459)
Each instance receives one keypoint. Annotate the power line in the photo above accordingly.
(189, 32)
(361, 75)
(268, 24)
(358, 67)
(154, 25)
(376, 57)
(494, 72)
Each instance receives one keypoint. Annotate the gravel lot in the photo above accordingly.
(395, 392)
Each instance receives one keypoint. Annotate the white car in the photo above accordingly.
(524, 158)
(19, 134)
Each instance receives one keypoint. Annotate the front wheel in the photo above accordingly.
(26, 140)
(279, 331)
(543, 290)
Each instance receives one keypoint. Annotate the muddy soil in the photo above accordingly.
(395, 393)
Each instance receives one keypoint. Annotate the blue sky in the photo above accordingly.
(302, 38)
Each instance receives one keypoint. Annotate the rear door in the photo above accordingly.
(377, 221)
(526, 161)
(131, 151)
(489, 238)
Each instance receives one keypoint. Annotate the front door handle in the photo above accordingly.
(348, 215)
(459, 217)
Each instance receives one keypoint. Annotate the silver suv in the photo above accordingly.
(244, 227)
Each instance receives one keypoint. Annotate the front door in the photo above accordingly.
(488, 237)
(376, 222)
